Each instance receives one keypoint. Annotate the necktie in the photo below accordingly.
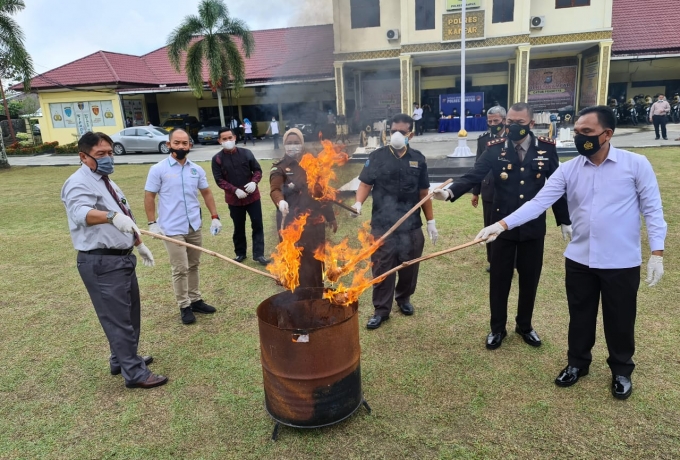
(520, 153)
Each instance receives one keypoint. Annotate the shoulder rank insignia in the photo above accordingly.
(484, 135)
(546, 140)
(498, 140)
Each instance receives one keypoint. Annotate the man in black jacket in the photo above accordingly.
(237, 172)
(520, 165)
(496, 120)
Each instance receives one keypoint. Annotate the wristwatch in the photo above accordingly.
(110, 216)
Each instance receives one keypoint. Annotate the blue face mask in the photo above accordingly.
(104, 165)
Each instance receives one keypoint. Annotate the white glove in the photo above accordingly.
(145, 254)
(356, 206)
(566, 232)
(490, 233)
(283, 207)
(155, 228)
(442, 194)
(654, 270)
(125, 224)
(250, 187)
(215, 227)
(432, 231)
(241, 194)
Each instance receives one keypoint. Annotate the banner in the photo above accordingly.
(552, 88)
(589, 80)
(109, 117)
(56, 115)
(83, 120)
(381, 98)
(474, 102)
(452, 5)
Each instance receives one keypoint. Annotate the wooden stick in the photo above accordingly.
(343, 206)
(208, 251)
(408, 263)
(363, 254)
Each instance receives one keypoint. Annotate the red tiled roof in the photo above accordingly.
(292, 53)
(644, 26)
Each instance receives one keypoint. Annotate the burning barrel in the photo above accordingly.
(310, 359)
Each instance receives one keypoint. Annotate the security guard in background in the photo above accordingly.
(496, 120)
(520, 165)
(397, 175)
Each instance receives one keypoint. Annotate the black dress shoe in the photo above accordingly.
(495, 339)
(488, 269)
(570, 376)
(201, 307)
(529, 337)
(115, 370)
(240, 258)
(622, 386)
(376, 321)
(151, 381)
(187, 315)
(261, 260)
(406, 308)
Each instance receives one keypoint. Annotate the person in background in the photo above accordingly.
(237, 172)
(234, 125)
(418, 119)
(274, 131)
(289, 192)
(496, 122)
(104, 233)
(658, 114)
(248, 130)
(177, 181)
(396, 175)
(607, 189)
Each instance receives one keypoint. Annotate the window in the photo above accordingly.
(424, 14)
(365, 13)
(503, 11)
(571, 3)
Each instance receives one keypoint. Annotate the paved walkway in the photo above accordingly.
(432, 145)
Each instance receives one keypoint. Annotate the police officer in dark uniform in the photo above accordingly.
(520, 165)
(496, 121)
(397, 176)
(289, 192)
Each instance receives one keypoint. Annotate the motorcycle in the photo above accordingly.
(675, 108)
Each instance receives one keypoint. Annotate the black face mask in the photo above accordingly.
(518, 132)
(179, 153)
(587, 145)
(496, 130)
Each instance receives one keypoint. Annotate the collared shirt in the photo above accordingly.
(417, 114)
(83, 192)
(605, 203)
(177, 187)
(660, 108)
(274, 126)
(525, 146)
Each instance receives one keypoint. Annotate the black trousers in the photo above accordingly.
(618, 289)
(487, 210)
(529, 261)
(276, 141)
(399, 247)
(238, 215)
(660, 121)
(419, 127)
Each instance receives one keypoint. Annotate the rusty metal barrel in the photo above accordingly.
(310, 358)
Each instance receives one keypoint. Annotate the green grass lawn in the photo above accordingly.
(436, 392)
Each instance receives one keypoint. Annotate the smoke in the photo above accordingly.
(312, 12)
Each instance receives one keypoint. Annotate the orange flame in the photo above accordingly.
(342, 253)
(320, 172)
(285, 262)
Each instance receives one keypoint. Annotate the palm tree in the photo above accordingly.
(15, 62)
(211, 39)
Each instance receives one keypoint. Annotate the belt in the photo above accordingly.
(109, 252)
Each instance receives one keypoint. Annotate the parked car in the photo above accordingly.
(307, 127)
(36, 129)
(141, 139)
(184, 121)
(208, 134)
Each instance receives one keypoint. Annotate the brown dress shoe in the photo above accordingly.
(151, 381)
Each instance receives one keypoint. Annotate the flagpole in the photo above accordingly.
(462, 150)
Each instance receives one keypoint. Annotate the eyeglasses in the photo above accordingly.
(405, 133)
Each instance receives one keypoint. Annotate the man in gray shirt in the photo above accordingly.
(104, 233)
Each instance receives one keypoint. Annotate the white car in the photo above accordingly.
(141, 139)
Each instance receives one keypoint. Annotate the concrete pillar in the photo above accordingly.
(417, 88)
(340, 87)
(358, 90)
(579, 80)
(523, 55)
(603, 84)
(406, 70)
(512, 81)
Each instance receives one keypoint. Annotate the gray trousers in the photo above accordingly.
(111, 282)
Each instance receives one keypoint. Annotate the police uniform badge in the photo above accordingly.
(413, 164)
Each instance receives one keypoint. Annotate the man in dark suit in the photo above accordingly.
(496, 120)
(520, 165)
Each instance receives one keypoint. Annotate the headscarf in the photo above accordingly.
(298, 133)
(246, 122)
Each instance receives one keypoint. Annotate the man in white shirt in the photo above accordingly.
(274, 131)
(607, 189)
(177, 181)
(658, 114)
(418, 118)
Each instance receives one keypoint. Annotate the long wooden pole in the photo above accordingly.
(208, 251)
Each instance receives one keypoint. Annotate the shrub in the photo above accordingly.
(68, 148)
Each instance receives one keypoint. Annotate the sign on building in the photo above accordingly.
(454, 5)
(453, 25)
(552, 88)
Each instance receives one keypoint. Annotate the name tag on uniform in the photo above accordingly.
(413, 164)
(503, 159)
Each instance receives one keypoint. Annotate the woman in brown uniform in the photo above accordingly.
(289, 192)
